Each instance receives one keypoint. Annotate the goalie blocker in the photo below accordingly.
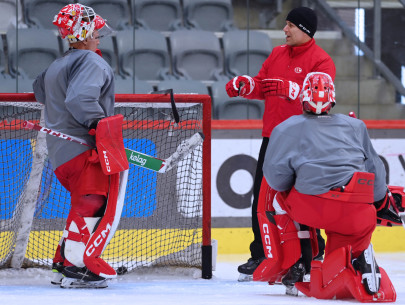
(110, 144)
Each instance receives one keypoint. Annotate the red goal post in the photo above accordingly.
(167, 221)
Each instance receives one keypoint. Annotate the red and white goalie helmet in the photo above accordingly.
(318, 93)
(76, 22)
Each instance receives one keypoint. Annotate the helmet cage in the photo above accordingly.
(76, 22)
(318, 93)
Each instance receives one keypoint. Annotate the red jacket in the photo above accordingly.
(291, 63)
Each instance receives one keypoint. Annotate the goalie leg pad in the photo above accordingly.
(80, 224)
(106, 228)
(77, 234)
(110, 145)
(336, 278)
(279, 236)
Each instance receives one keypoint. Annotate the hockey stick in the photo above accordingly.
(135, 157)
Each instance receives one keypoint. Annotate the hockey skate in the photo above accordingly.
(75, 277)
(295, 274)
(57, 276)
(246, 270)
(370, 272)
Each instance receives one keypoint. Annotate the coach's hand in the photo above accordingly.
(240, 86)
(280, 87)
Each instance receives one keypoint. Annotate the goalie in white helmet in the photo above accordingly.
(315, 162)
(78, 93)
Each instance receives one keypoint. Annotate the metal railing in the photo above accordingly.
(373, 56)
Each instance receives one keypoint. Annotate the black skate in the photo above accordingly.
(57, 269)
(246, 270)
(295, 274)
(75, 277)
(370, 273)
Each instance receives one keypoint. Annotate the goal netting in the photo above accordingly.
(166, 216)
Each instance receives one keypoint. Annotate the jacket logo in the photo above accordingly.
(297, 70)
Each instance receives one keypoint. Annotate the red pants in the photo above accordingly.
(83, 176)
(345, 223)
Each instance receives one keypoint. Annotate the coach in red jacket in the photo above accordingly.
(278, 83)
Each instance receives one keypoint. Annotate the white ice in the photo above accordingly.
(173, 286)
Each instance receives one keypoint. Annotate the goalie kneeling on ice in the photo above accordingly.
(336, 278)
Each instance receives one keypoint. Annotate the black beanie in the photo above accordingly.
(305, 19)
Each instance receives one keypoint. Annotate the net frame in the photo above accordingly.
(206, 248)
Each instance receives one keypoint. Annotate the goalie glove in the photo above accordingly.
(391, 209)
(280, 87)
(240, 86)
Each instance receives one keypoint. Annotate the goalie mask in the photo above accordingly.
(76, 22)
(318, 93)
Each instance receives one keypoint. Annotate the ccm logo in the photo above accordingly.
(267, 240)
(98, 240)
(107, 162)
(365, 181)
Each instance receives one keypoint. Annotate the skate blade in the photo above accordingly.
(291, 290)
(245, 277)
(57, 278)
(70, 283)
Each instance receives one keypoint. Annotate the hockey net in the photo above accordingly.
(166, 216)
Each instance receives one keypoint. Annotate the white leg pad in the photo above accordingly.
(74, 249)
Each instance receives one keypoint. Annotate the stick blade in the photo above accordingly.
(182, 151)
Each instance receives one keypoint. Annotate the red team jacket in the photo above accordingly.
(291, 63)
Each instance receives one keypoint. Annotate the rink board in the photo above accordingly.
(237, 240)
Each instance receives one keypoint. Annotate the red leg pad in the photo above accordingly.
(98, 239)
(281, 247)
(279, 236)
(336, 278)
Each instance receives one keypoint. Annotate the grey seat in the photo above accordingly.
(236, 108)
(159, 15)
(40, 13)
(107, 49)
(209, 15)
(241, 58)
(131, 86)
(37, 49)
(116, 12)
(10, 13)
(149, 60)
(196, 55)
(10, 85)
(184, 86)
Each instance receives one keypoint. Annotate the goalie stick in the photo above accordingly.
(134, 157)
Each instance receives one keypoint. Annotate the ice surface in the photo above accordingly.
(173, 286)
